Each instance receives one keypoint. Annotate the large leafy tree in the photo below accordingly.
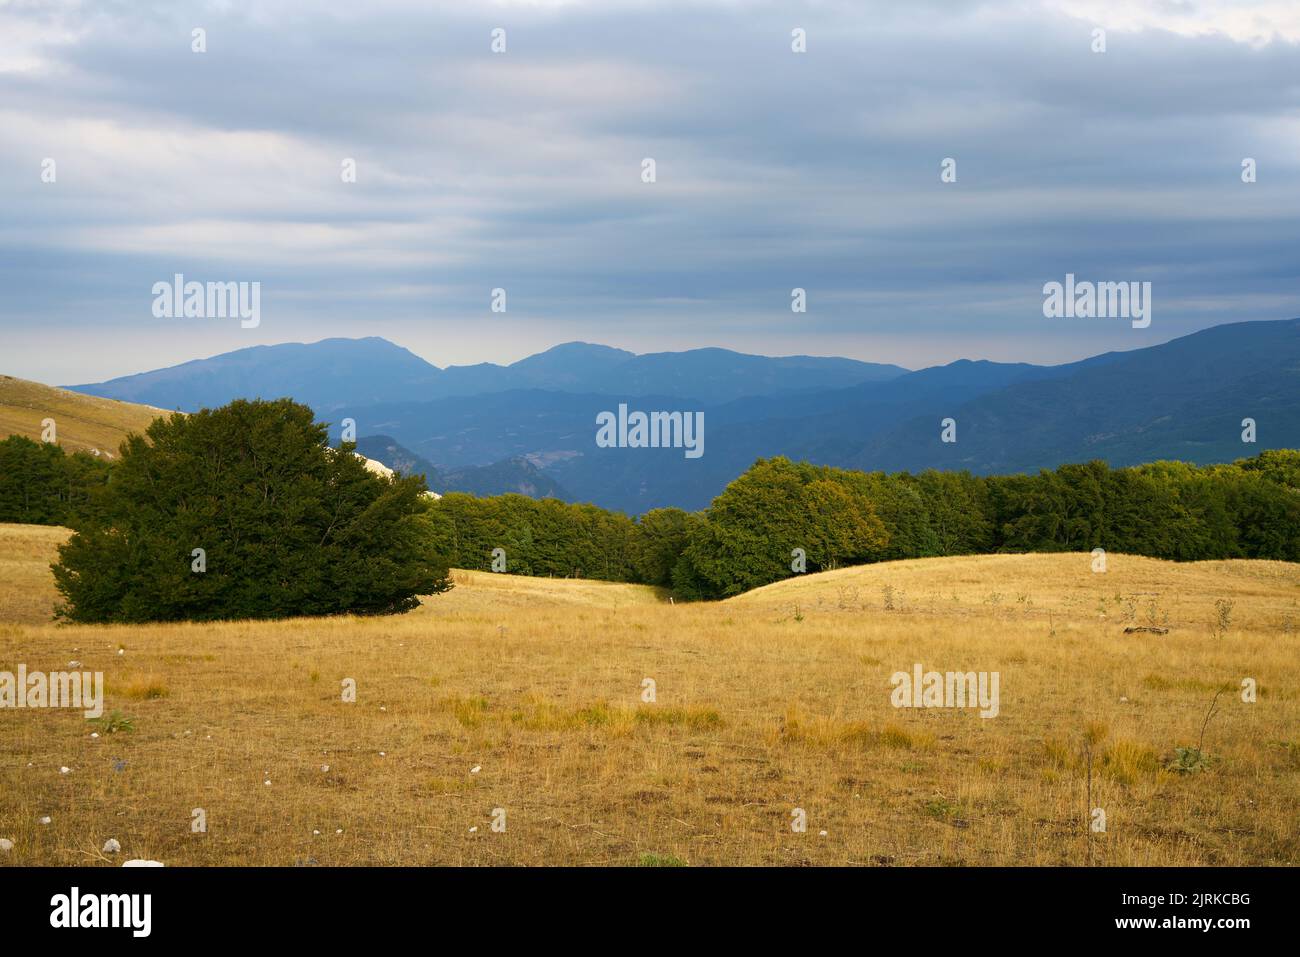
(286, 525)
(778, 506)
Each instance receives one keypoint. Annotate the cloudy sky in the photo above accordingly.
(523, 170)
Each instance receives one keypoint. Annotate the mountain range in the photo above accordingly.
(342, 373)
(531, 426)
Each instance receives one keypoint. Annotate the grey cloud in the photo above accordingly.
(775, 170)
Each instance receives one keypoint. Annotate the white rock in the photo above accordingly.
(94, 734)
(473, 829)
(74, 664)
(267, 782)
(315, 832)
(6, 845)
(339, 831)
(379, 468)
(65, 770)
(476, 769)
(111, 846)
(325, 769)
(43, 820)
(140, 863)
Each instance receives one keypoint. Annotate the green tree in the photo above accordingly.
(753, 527)
(41, 485)
(286, 525)
(661, 536)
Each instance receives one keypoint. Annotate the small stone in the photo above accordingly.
(65, 770)
(476, 769)
(267, 782)
(473, 829)
(74, 664)
(94, 734)
(6, 845)
(111, 846)
(43, 820)
(325, 769)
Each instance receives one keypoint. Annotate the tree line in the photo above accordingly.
(245, 511)
(781, 518)
(42, 485)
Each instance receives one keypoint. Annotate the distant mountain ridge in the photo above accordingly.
(336, 374)
(536, 419)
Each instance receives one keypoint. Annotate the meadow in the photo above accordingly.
(526, 696)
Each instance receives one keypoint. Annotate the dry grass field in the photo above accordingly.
(525, 695)
(82, 422)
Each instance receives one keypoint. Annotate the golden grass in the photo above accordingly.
(27, 592)
(526, 695)
(81, 421)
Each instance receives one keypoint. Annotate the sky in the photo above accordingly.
(522, 170)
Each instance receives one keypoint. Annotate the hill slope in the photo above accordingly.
(1061, 583)
(516, 475)
(82, 422)
(1184, 399)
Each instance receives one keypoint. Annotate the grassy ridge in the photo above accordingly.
(83, 422)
